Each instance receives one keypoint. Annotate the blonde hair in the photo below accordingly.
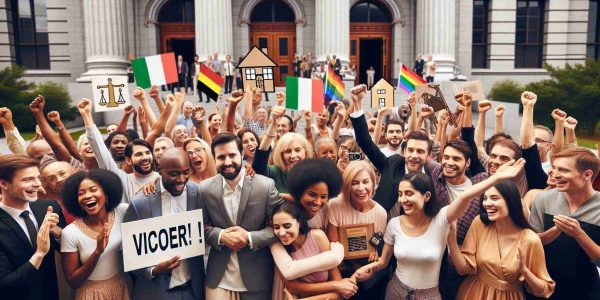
(284, 143)
(350, 172)
(211, 167)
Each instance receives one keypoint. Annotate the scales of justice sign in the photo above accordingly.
(110, 93)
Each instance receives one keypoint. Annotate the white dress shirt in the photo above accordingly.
(15, 213)
(173, 205)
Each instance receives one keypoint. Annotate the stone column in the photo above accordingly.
(214, 24)
(105, 38)
(436, 23)
(332, 34)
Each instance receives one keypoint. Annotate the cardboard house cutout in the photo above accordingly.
(382, 94)
(256, 70)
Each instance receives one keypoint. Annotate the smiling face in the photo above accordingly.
(416, 155)
(566, 176)
(197, 155)
(249, 144)
(215, 122)
(286, 228)
(175, 171)
(141, 159)
(393, 135)
(159, 148)
(85, 150)
(283, 126)
(180, 133)
(228, 160)
(499, 156)
(91, 197)
(322, 118)
(293, 154)
(411, 199)
(454, 163)
(187, 109)
(55, 174)
(117, 146)
(261, 115)
(327, 150)
(24, 185)
(361, 188)
(495, 205)
(314, 198)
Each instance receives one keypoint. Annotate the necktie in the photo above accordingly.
(30, 228)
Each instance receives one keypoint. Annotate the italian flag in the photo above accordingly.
(304, 94)
(155, 70)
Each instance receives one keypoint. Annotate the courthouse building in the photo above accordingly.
(68, 41)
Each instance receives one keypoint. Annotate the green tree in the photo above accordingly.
(16, 94)
(506, 90)
(574, 89)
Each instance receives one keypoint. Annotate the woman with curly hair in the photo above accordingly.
(201, 159)
(91, 245)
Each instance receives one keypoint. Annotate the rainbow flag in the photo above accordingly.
(408, 80)
(334, 86)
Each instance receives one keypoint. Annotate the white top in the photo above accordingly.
(232, 279)
(173, 205)
(430, 69)
(77, 237)
(419, 258)
(131, 183)
(389, 152)
(454, 191)
(16, 215)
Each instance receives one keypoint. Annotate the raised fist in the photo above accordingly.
(559, 115)
(484, 106)
(53, 116)
(528, 98)
(85, 106)
(499, 110)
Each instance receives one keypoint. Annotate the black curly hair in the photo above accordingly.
(314, 170)
(109, 181)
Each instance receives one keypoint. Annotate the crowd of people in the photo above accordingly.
(464, 216)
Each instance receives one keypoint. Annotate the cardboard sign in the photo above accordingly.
(431, 94)
(382, 94)
(355, 239)
(474, 87)
(110, 93)
(151, 241)
(257, 70)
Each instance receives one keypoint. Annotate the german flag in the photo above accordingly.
(209, 82)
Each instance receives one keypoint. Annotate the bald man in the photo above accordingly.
(53, 175)
(37, 149)
(185, 118)
(174, 278)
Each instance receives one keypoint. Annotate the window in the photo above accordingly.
(178, 11)
(250, 74)
(529, 34)
(368, 11)
(267, 73)
(272, 11)
(380, 91)
(283, 46)
(381, 102)
(353, 47)
(29, 33)
(593, 32)
(480, 34)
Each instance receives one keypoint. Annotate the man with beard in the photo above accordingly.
(236, 208)
(173, 278)
(138, 155)
(393, 137)
(29, 228)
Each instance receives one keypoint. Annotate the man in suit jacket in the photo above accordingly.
(182, 73)
(29, 229)
(174, 278)
(236, 208)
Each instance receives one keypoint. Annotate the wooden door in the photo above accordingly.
(358, 31)
(280, 40)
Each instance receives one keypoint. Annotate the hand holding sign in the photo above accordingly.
(166, 266)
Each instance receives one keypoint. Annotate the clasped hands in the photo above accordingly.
(235, 238)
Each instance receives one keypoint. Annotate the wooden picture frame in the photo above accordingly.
(355, 239)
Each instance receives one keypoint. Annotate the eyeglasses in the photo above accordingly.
(540, 141)
(196, 151)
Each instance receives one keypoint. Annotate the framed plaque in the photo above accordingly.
(355, 239)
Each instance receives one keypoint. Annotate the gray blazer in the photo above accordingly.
(259, 197)
(144, 207)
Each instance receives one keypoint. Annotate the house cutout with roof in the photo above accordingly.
(382, 94)
(256, 69)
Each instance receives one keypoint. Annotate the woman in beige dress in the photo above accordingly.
(501, 255)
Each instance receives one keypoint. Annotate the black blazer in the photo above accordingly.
(18, 278)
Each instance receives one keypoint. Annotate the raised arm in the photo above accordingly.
(247, 115)
(140, 95)
(125, 119)
(174, 113)
(379, 123)
(340, 117)
(143, 122)
(412, 119)
(536, 177)
(483, 106)
(159, 127)
(455, 131)
(15, 142)
(276, 113)
(154, 94)
(198, 113)
(37, 108)
(499, 123)
(234, 100)
(308, 127)
(570, 124)
(425, 112)
(527, 132)
(558, 142)
(506, 171)
(64, 134)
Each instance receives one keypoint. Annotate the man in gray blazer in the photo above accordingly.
(236, 208)
(174, 278)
